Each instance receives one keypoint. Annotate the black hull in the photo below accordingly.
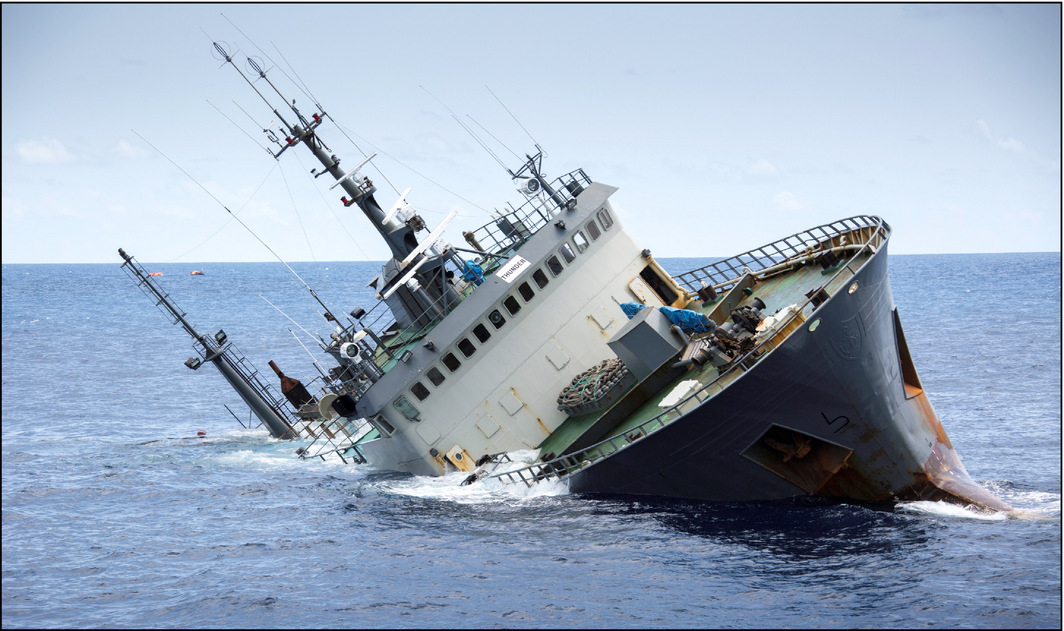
(841, 390)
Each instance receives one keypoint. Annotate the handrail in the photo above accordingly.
(567, 464)
(791, 250)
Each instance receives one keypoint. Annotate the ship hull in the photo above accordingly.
(836, 411)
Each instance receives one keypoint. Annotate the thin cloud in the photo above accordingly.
(1011, 144)
(126, 150)
(786, 200)
(763, 167)
(51, 151)
(1008, 144)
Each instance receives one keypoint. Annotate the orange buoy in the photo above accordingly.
(155, 274)
(197, 273)
(201, 433)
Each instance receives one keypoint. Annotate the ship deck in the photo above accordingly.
(776, 291)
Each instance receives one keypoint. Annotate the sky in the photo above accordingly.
(724, 127)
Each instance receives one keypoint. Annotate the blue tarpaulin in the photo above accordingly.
(631, 308)
(689, 321)
(473, 273)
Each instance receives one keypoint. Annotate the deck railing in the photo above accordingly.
(872, 231)
(793, 250)
(514, 226)
(495, 239)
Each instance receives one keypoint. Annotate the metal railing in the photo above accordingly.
(793, 250)
(872, 234)
(514, 226)
(505, 233)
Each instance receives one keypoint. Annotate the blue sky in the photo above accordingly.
(724, 126)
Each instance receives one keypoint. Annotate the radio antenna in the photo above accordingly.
(514, 117)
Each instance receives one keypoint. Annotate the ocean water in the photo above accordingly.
(114, 514)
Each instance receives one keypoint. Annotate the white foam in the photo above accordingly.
(486, 490)
(947, 509)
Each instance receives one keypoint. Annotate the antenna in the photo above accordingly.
(514, 117)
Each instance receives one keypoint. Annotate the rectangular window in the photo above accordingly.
(435, 376)
(420, 391)
(658, 284)
(567, 253)
(407, 408)
(580, 241)
(451, 362)
(496, 319)
(382, 424)
(604, 217)
(512, 305)
(592, 229)
(554, 265)
(526, 292)
(481, 332)
(540, 278)
(466, 347)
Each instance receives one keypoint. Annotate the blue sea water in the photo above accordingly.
(114, 514)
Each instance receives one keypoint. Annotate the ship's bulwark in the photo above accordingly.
(837, 411)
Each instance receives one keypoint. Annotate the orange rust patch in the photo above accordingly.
(927, 413)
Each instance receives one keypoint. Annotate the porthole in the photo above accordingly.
(814, 324)
(853, 287)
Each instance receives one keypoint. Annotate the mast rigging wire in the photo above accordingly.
(239, 127)
(296, 208)
(493, 136)
(252, 232)
(227, 221)
(414, 171)
(327, 205)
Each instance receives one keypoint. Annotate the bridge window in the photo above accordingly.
(526, 291)
(466, 347)
(496, 319)
(435, 376)
(581, 241)
(604, 217)
(512, 305)
(451, 362)
(555, 266)
(567, 253)
(419, 390)
(593, 230)
(540, 278)
(482, 333)
(407, 408)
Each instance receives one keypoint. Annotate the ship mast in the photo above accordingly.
(399, 237)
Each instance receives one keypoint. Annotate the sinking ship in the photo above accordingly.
(778, 372)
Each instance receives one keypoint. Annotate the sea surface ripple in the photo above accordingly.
(114, 514)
